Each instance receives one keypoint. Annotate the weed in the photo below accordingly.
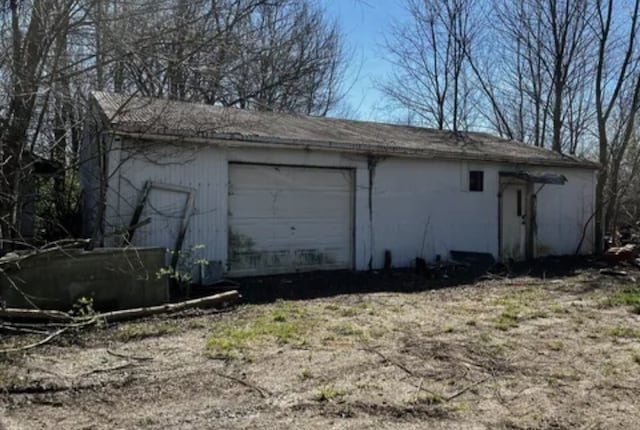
(305, 374)
(428, 398)
(472, 323)
(625, 297)
(635, 357)
(536, 313)
(507, 319)
(555, 345)
(349, 311)
(624, 331)
(557, 308)
(377, 332)
(134, 331)
(448, 329)
(459, 407)
(329, 392)
(83, 307)
(564, 375)
(347, 329)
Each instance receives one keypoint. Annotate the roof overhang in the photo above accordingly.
(537, 178)
(238, 140)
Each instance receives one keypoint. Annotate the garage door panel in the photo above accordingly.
(278, 234)
(284, 219)
(285, 203)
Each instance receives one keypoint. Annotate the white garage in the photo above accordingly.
(273, 193)
(286, 219)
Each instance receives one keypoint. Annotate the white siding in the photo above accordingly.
(423, 209)
(419, 207)
(563, 211)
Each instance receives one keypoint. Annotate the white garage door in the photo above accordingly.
(286, 219)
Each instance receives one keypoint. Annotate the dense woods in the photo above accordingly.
(558, 74)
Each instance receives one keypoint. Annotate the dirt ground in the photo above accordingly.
(519, 353)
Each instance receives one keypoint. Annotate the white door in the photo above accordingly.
(286, 219)
(514, 219)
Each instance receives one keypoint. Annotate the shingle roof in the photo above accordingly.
(146, 117)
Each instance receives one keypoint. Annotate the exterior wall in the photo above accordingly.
(205, 169)
(416, 207)
(424, 209)
(565, 213)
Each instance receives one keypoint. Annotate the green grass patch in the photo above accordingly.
(286, 324)
(329, 393)
(629, 296)
(624, 297)
(624, 331)
(514, 311)
(508, 318)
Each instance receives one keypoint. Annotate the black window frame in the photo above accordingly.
(476, 181)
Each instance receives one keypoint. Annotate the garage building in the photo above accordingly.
(269, 193)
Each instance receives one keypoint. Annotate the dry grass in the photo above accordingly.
(514, 354)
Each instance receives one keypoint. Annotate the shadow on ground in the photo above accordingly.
(309, 285)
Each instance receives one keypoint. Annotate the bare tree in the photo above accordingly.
(617, 91)
(429, 58)
(53, 52)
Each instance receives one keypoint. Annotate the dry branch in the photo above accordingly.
(263, 392)
(128, 357)
(127, 314)
(35, 314)
(35, 344)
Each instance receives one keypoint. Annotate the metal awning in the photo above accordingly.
(537, 178)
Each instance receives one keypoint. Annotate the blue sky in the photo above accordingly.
(364, 23)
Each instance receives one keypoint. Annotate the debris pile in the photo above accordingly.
(622, 254)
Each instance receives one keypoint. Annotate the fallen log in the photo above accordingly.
(35, 314)
(225, 298)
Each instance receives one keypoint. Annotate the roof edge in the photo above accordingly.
(226, 139)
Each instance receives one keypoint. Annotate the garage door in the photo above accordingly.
(286, 219)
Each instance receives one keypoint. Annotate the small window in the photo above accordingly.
(519, 203)
(476, 180)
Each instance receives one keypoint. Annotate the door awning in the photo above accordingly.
(537, 178)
